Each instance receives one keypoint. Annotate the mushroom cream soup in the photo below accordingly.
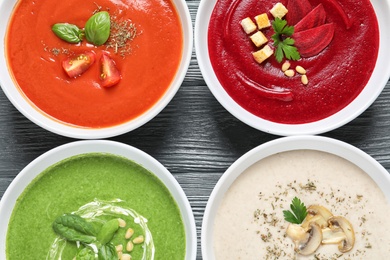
(95, 189)
(250, 224)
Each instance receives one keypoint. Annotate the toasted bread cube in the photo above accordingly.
(263, 54)
(248, 25)
(262, 21)
(279, 10)
(258, 39)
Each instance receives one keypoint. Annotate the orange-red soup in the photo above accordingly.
(147, 70)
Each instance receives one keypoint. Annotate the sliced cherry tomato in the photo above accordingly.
(109, 73)
(77, 64)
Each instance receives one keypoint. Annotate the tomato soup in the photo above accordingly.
(336, 75)
(147, 64)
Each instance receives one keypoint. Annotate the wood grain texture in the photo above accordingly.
(194, 137)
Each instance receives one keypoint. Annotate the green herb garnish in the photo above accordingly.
(74, 228)
(97, 30)
(298, 212)
(68, 32)
(283, 43)
(108, 231)
(85, 253)
(107, 252)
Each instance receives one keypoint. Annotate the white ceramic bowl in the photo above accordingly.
(53, 156)
(25, 107)
(352, 154)
(372, 90)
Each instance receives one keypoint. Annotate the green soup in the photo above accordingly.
(80, 180)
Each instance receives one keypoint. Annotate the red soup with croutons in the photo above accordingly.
(93, 63)
(294, 61)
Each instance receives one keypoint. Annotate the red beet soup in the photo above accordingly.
(338, 42)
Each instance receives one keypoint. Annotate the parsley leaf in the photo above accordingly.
(298, 212)
(284, 44)
(289, 50)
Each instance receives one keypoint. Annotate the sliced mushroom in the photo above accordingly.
(320, 210)
(332, 235)
(296, 233)
(318, 219)
(311, 242)
(317, 214)
(340, 222)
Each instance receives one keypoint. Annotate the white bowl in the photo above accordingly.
(352, 154)
(55, 155)
(25, 107)
(371, 91)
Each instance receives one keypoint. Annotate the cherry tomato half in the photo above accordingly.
(109, 73)
(77, 64)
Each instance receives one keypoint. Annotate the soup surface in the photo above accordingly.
(336, 75)
(249, 223)
(95, 178)
(147, 63)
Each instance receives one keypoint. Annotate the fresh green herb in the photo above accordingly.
(107, 252)
(108, 231)
(283, 42)
(86, 253)
(298, 212)
(74, 228)
(68, 32)
(97, 28)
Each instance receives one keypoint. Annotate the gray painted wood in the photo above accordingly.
(194, 137)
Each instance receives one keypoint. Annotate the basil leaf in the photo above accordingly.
(85, 254)
(74, 228)
(107, 252)
(97, 28)
(108, 231)
(67, 32)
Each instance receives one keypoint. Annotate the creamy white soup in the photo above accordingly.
(250, 225)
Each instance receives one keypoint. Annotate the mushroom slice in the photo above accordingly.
(340, 222)
(296, 233)
(318, 219)
(332, 235)
(319, 210)
(317, 214)
(310, 244)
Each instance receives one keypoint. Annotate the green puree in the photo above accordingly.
(76, 181)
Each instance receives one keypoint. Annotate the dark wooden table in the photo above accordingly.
(194, 137)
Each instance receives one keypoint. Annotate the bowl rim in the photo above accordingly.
(62, 152)
(305, 142)
(365, 99)
(30, 111)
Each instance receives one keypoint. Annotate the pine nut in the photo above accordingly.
(129, 233)
(300, 70)
(286, 65)
(129, 246)
(126, 257)
(120, 255)
(289, 73)
(119, 248)
(138, 240)
(122, 223)
(304, 80)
